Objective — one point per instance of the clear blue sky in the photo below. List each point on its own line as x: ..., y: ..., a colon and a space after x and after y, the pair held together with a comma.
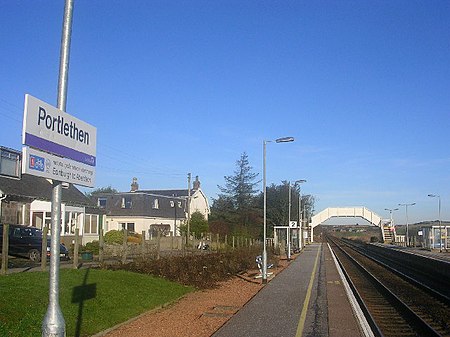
x: 187, y: 86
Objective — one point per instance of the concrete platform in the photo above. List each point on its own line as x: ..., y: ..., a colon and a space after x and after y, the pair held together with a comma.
x: 307, y: 299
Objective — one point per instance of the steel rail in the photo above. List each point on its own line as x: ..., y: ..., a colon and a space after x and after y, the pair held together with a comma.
x: 433, y: 292
x: 415, y: 322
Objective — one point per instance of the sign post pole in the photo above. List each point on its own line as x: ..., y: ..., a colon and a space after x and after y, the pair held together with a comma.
x: 53, y: 324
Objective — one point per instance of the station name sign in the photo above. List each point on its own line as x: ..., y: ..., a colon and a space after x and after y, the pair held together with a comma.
x: 55, y: 131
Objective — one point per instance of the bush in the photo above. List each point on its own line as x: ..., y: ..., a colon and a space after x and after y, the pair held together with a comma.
x: 114, y: 236
x: 134, y: 238
x: 91, y: 247
x: 202, y: 270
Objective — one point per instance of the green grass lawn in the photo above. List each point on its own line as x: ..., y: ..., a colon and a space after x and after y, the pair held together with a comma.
x: 91, y: 300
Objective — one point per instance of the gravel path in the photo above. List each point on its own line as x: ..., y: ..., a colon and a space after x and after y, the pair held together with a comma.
x: 197, y: 314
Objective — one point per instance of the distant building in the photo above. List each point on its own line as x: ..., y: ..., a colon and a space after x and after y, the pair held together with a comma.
x: 435, y: 236
x: 151, y: 211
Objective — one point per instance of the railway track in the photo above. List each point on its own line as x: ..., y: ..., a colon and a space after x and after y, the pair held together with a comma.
x: 393, y: 305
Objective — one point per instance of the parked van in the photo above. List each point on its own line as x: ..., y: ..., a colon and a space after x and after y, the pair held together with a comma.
x: 27, y: 242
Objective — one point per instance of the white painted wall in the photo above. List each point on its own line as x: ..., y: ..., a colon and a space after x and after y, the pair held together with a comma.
x: 141, y: 224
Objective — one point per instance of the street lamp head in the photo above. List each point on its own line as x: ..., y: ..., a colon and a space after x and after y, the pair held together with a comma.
x: 284, y: 140
x: 411, y: 204
x: 300, y: 181
x: 433, y: 195
x: 391, y: 210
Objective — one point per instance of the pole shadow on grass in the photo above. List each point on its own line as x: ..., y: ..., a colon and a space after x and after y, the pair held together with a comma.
x: 79, y: 295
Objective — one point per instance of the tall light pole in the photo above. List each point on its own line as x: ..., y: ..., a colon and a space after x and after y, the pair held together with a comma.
x: 440, y: 223
x: 300, y: 212
x: 391, y: 216
x: 279, y: 140
x: 288, y: 229
x: 406, y: 211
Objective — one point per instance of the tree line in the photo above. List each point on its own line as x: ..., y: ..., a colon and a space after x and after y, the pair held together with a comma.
x: 238, y: 209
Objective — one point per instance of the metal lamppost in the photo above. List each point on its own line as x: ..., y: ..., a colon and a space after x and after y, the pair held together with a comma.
x: 288, y: 229
x: 390, y: 213
x: 440, y: 223
x: 406, y: 211
x: 299, y: 226
x: 279, y: 140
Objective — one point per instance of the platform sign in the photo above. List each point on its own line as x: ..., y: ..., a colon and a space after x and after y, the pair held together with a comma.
x: 42, y: 164
x: 54, y: 131
x: 292, y: 224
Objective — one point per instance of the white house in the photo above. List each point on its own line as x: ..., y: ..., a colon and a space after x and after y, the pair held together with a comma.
x: 151, y: 211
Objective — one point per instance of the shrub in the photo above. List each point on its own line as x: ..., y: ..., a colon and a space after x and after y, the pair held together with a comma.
x: 134, y: 238
x: 91, y: 247
x: 114, y: 236
x: 199, y: 270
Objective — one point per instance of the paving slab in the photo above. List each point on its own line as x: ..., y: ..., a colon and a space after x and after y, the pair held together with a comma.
x: 276, y: 310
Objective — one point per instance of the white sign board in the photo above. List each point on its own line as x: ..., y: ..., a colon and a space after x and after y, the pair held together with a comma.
x: 48, y: 166
x: 52, y: 130
x: 293, y: 224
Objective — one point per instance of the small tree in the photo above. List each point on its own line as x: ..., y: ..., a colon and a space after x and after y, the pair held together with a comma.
x: 101, y: 190
x: 236, y: 206
x: 240, y: 188
x: 198, y: 223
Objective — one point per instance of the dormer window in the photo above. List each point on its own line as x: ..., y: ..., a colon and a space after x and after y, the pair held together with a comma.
x: 101, y: 202
x: 155, y: 204
x: 126, y: 202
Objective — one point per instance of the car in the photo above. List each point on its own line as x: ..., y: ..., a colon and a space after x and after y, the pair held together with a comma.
x: 26, y: 241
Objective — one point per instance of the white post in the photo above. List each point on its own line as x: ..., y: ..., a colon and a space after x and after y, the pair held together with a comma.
x: 264, y: 268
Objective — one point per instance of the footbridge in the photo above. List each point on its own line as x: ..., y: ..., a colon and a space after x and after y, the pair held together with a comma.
x: 345, y: 212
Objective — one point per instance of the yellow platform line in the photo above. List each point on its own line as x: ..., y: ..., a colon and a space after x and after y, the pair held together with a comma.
x: 301, y: 323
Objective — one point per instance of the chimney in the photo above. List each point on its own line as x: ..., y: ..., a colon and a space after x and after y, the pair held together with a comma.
x: 134, y: 185
x: 196, y: 183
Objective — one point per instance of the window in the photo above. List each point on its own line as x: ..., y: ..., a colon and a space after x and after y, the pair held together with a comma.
x: 41, y: 219
x: 155, y: 204
x: 71, y: 221
x: 126, y: 202
x: 101, y: 202
x: 9, y: 163
x: 164, y: 230
x: 91, y: 224
x: 129, y: 226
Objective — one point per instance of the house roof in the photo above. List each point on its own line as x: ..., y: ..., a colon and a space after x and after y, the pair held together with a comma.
x: 29, y: 188
x: 143, y: 204
x: 167, y: 193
